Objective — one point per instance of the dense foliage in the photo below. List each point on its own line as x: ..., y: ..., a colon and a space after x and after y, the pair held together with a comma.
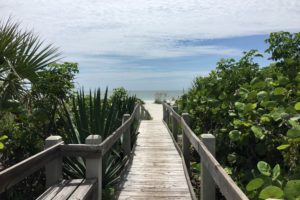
x: 254, y: 113
x: 91, y: 114
x: 37, y: 99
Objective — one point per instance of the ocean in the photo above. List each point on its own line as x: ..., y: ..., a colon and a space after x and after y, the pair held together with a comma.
x: 150, y: 96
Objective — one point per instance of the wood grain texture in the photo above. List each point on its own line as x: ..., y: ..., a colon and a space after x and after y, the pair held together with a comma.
x: 19, y: 171
x: 85, y: 191
x: 225, y: 183
x: 52, y: 191
x: 156, y: 171
x: 76, y: 189
x: 68, y: 189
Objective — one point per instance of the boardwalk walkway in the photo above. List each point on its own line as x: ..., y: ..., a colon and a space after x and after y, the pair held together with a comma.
x: 156, y: 171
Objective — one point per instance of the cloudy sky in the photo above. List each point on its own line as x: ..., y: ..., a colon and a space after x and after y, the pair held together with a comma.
x: 152, y: 44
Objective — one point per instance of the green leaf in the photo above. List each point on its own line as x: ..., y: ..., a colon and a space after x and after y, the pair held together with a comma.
x: 295, y: 117
x: 259, y: 85
x: 297, y: 106
x: 269, y: 104
x: 223, y: 130
x: 234, y: 135
x: 196, y: 167
x: 296, y: 140
x: 232, y: 114
x: 3, y: 137
x: 264, y: 168
x: 231, y: 157
x: 238, y: 122
x: 264, y: 118
x: 276, y: 172
x: 282, y: 147
x: 250, y: 106
x: 277, y: 113
x: 294, y: 124
x: 254, y: 184
x: 298, y: 77
x: 258, y: 132
x: 228, y: 170
x: 261, y: 95
x: 292, y: 190
x: 239, y: 105
x: 271, y: 192
x: 279, y: 91
x: 1, y: 146
x: 293, y: 133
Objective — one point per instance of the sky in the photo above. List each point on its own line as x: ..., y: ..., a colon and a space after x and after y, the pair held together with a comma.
x: 152, y: 44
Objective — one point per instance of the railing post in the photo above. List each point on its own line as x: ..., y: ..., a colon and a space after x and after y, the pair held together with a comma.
x: 137, y: 114
x: 164, y: 112
x: 167, y: 117
x: 208, y: 187
x: 143, y: 113
x: 53, y: 168
x: 140, y: 112
x: 174, y: 124
x: 126, y: 136
x: 94, y: 165
x: 186, y: 144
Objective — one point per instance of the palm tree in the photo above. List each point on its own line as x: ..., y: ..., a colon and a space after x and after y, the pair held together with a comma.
x: 22, y: 56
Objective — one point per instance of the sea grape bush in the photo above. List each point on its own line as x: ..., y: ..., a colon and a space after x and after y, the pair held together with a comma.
x: 254, y: 113
x: 270, y: 184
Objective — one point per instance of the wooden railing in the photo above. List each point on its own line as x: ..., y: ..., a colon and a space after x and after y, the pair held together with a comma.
x: 93, y: 151
x: 212, y: 173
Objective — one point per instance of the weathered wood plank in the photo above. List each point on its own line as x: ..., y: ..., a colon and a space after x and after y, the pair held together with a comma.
x: 68, y: 189
x: 110, y: 140
x: 84, y: 150
x: 17, y: 172
x: 151, y: 198
x: 142, y: 193
x: 154, y: 182
x: 155, y: 164
x: 156, y: 171
x: 227, y: 186
x: 85, y: 190
x: 52, y: 191
x: 93, y: 166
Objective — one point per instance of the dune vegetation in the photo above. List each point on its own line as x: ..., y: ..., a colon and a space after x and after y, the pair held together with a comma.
x: 254, y: 113
x: 38, y: 99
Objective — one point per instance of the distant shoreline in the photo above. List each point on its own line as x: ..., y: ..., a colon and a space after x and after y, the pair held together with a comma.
x: 150, y: 95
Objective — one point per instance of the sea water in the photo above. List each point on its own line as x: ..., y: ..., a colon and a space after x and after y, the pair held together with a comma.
x: 151, y: 96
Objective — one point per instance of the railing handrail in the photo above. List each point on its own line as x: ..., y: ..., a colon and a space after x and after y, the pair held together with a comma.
x: 87, y: 149
x: 112, y: 138
x: 225, y: 183
x: 19, y: 171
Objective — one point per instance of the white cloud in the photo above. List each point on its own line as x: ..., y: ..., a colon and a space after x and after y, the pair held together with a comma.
x: 148, y: 29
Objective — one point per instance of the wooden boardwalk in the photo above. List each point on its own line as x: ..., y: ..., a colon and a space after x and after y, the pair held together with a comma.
x: 156, y: 171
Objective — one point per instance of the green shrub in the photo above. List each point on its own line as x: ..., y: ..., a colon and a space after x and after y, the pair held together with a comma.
x: 252, y: 111
x: 91, y: 114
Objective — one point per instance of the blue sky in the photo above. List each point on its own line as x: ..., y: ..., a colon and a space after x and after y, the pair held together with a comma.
x: 152, y: 44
